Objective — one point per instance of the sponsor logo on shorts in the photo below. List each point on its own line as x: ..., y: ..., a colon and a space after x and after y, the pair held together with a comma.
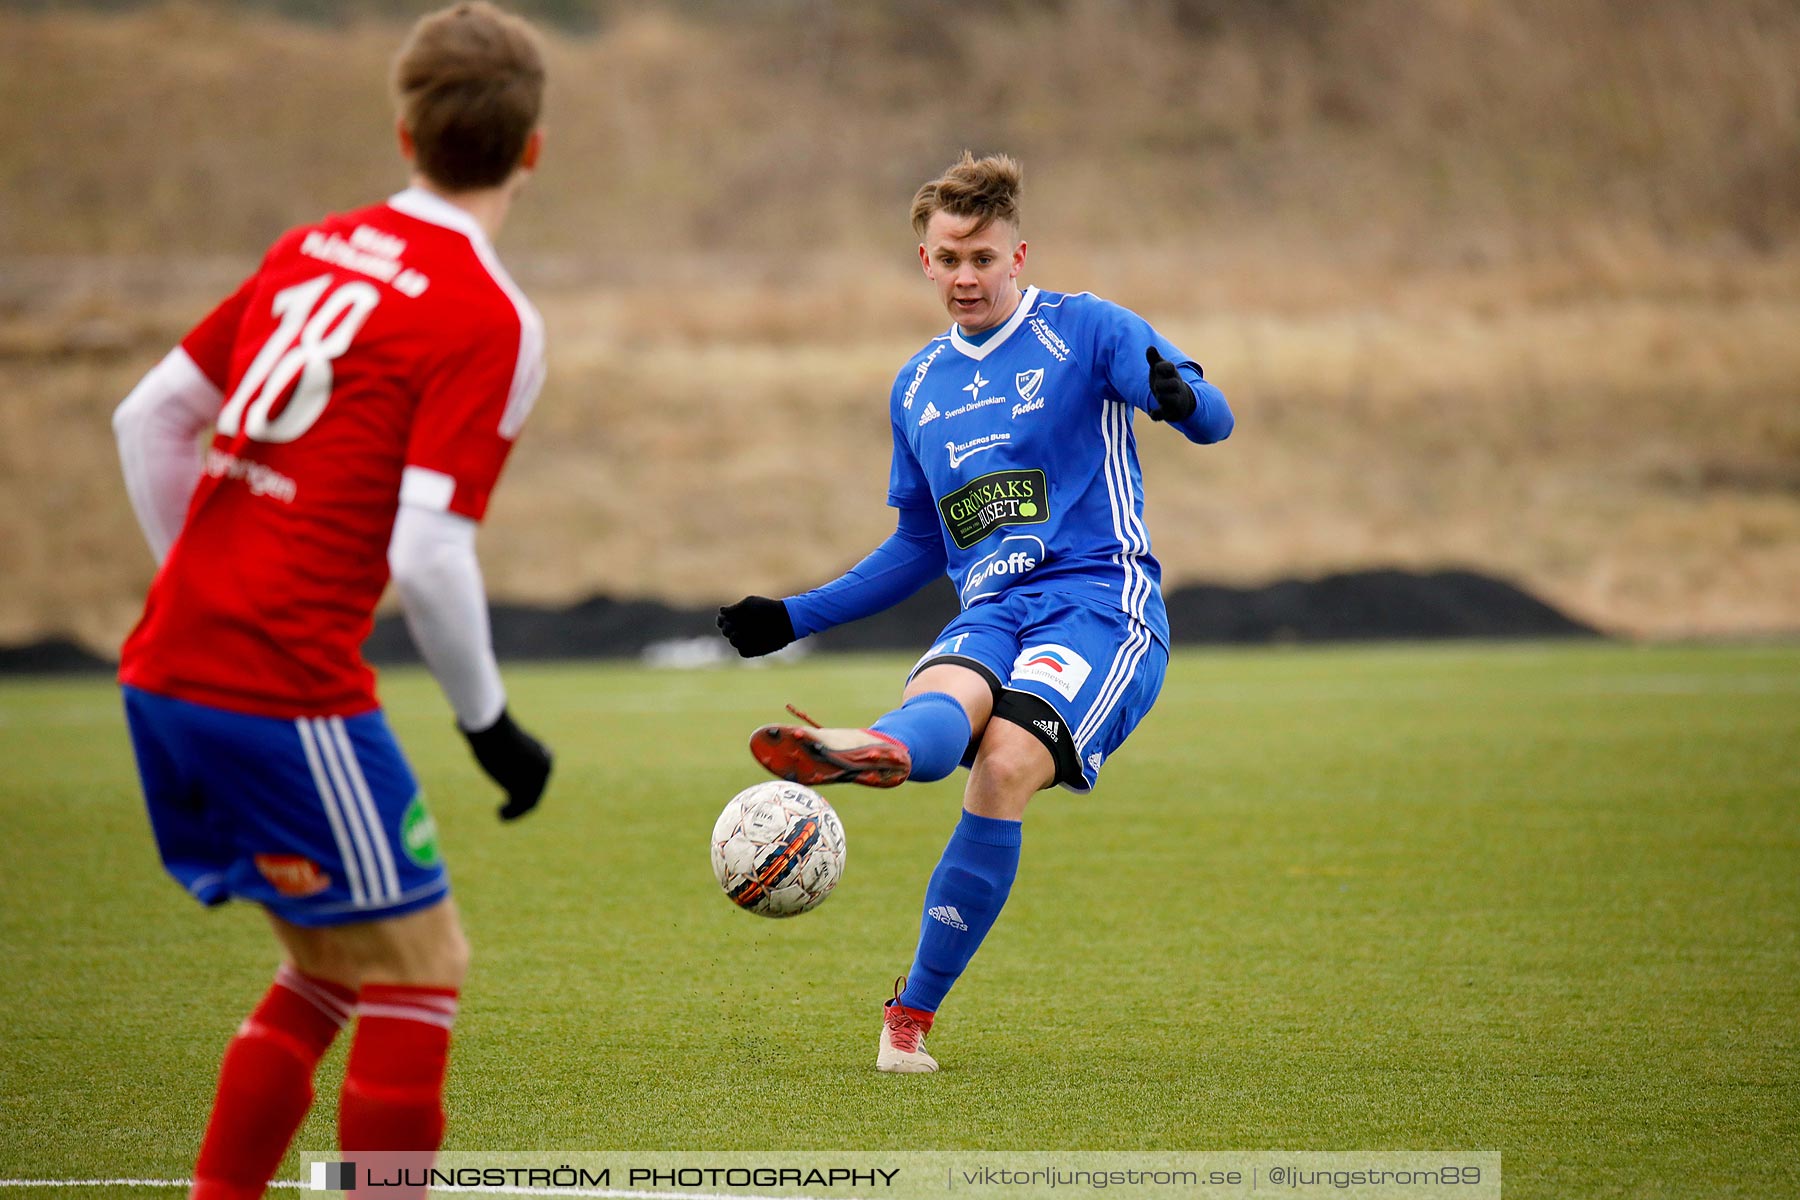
x: 418, y: 833
x: 994, y: 501
x: 293, y: 875
x: 1018, y: 555
x: 1058, y: 666
x: 1051, y: 729
x: 948, y: 915
x: 1094, y: 761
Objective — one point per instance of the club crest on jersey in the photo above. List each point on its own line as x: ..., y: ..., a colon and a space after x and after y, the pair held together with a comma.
x: 1057, y: 666
x: 1027, y: 383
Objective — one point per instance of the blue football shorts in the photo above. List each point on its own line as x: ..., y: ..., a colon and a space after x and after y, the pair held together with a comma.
x: 318, y: 819
x: 1078, y: 675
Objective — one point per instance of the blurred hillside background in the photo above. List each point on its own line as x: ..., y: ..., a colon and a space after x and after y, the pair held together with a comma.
x: 1511, y: 285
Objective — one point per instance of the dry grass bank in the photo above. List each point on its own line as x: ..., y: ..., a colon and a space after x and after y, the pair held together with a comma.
x: 1504, y: 284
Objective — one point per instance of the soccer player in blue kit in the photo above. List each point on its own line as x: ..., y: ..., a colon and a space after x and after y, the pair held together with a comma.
x: 1014, y: 471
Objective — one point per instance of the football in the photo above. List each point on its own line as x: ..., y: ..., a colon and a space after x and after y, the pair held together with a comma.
x: 777, y: 849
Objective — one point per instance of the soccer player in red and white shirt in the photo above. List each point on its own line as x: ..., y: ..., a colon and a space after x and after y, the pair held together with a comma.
x: 364, y: 387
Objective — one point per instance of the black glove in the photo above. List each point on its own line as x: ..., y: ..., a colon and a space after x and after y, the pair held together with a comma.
x: 513, y: 759
x: 756, y: 625
x: 1174, y: 398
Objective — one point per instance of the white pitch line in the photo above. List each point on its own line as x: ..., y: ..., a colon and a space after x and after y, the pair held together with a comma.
x: 71, y: 1183
x: 600, y: 1193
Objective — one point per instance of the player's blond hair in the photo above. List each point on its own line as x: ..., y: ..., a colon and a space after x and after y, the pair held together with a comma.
x: 469, y: 83
x: 986, y: 188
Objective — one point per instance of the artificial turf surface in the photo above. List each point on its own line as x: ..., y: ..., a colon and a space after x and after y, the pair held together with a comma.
x: 1543, y: 900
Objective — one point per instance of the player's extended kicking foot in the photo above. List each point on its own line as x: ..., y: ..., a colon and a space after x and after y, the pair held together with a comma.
x: 811, y: 755
x: 903, y: 1033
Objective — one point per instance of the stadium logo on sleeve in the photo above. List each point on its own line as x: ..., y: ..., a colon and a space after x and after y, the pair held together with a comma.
x: 994, y: 501
x: 912, y: 389
x: 1058, y: 666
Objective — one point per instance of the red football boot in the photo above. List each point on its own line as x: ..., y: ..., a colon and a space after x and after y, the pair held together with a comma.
x: 812, y: 756
x: 903, y: 1033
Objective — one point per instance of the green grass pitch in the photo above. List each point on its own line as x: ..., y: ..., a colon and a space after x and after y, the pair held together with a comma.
x: 1541, y: 900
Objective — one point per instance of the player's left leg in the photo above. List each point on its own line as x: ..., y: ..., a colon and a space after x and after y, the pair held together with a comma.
x: 969, y: 887
x: 265, y: 1080
x: 1083, y: 676
x: 265, y: 1086
x: 328, y: 832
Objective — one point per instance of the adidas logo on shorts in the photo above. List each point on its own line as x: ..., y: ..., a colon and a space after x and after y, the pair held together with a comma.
x: 1050, y: 728
x: 948, y: 915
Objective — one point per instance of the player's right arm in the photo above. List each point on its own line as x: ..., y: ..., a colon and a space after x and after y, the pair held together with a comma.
x: 158, y: 425
x: 911, y: 557
x: 472, y: 408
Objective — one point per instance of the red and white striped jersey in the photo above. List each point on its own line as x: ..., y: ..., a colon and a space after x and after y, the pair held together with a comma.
x: 377, y: 357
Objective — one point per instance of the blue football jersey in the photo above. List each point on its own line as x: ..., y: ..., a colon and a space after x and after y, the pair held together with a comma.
x: 1022, y: 441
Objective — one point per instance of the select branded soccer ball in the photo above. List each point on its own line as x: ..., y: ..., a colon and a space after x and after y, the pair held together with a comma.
x: 778, y: 849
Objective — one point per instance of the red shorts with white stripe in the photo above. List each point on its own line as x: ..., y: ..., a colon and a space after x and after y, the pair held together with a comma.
x: 319, y: 819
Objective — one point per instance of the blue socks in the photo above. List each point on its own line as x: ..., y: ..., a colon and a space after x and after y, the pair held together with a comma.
x: 975, y: 874
x: 964, y: 896
x: 935, y: 731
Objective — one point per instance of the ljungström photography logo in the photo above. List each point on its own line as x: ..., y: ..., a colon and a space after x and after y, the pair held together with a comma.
x: 334, y: 1176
